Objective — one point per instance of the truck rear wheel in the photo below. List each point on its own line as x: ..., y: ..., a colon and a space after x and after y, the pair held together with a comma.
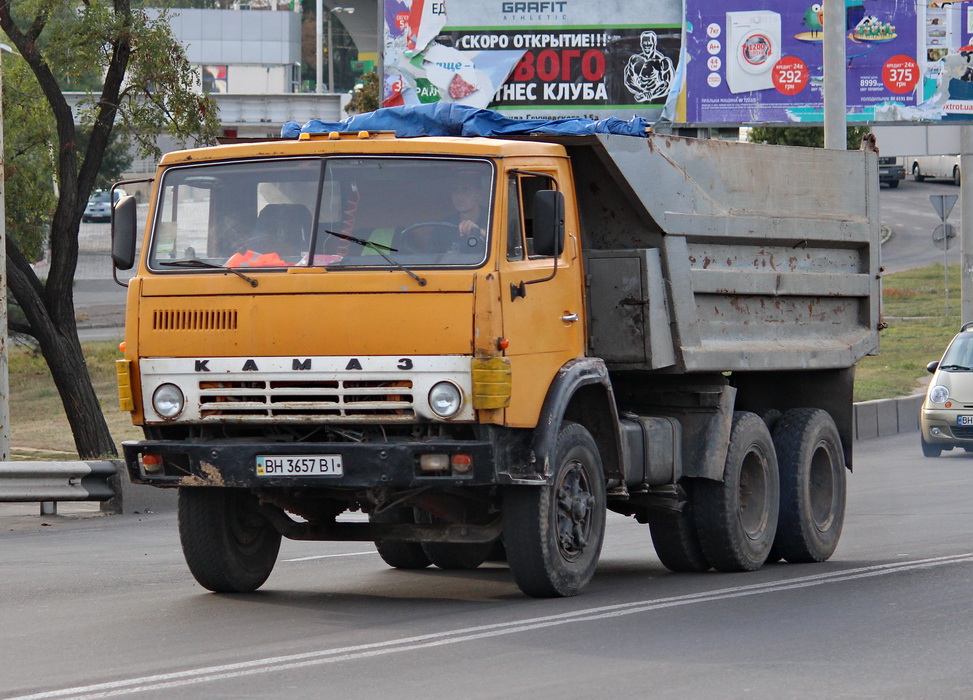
x: 400, y: 555
x: 676, y: 540
x: 737, y: 517
x: 229, y: 545
x: 812, y: 485
x: 553, y: 533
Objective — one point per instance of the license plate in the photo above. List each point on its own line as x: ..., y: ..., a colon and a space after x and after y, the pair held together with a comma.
x: 299, y: 465
x: 964, y: 420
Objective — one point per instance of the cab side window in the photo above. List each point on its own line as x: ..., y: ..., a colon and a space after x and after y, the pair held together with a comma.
x: 520, y: 213
x: 515, y: 231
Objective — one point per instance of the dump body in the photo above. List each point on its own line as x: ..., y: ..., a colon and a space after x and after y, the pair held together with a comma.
x: 769, y: 254
x: 451, y: 330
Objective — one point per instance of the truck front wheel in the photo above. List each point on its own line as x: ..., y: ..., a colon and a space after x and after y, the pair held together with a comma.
x: 812, y: 485
x: 737, y: 517
x: 553, y: 533
x: 229, y: 545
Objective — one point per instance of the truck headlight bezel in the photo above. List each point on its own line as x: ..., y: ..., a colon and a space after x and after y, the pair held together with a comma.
x: 168, y: 401
x: 445, y: 399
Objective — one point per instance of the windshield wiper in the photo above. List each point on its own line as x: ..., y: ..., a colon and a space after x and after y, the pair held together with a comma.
x: 380, y: 249
x: 956, y: 367
x: 203, y: 263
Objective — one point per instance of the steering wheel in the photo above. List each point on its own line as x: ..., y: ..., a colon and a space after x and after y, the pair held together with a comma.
x: 440, y: 240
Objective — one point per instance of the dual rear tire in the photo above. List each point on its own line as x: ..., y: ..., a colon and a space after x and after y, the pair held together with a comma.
x: 782, y: 497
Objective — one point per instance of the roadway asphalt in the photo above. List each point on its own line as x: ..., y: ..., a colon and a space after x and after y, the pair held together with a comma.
x: 107, y: 609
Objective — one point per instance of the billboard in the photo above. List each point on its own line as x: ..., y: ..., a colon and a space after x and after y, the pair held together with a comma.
x: 760, y: 61
x: 690, y: 61
x: 552, y: 58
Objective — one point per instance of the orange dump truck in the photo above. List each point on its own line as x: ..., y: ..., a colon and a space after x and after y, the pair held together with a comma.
x: 479, y: 346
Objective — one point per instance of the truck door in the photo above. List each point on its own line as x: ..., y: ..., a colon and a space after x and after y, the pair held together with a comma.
x: 543, y: 316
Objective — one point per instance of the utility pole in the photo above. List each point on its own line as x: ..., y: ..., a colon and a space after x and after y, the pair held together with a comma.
x: 966, y: 222
x: 835, y: 72
x: 4, y: 377
x: 318, y: 46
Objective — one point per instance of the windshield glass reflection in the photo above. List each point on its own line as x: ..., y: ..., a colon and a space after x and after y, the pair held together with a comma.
x: 354, y: 212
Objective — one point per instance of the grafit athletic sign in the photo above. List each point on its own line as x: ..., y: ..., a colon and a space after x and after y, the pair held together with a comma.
x: 547, y: 58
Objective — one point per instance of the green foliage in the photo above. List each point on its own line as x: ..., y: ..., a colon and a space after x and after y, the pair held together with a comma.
x: 365, y: 97
x: 82, y: 40
x: 29, y: 147
x: 138, y: 80
x: 812, y: 136
x: 914, y: 307
x: 161, y: 93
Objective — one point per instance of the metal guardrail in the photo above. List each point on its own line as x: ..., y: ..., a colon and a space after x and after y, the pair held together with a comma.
x: 57, y: 481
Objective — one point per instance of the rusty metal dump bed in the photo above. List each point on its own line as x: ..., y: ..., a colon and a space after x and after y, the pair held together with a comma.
x: 768, y: 255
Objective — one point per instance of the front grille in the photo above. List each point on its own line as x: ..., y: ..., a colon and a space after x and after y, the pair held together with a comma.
x: 301, y: 400
x: 965, y: 431
x: 194, y: 320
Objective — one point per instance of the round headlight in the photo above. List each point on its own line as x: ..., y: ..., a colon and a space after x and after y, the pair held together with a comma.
x: 445, y: 399
x: 168, y: 401
x: 939, y: 394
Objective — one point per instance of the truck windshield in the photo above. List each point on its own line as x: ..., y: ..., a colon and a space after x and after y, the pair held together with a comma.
x: 355, y: 212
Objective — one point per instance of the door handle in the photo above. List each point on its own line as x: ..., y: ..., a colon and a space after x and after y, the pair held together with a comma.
x: 569, y: 318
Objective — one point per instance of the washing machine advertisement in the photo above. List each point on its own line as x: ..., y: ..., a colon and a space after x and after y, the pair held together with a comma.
x: 762, y: 61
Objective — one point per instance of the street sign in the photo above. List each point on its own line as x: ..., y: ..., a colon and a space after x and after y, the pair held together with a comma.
x: 944, y: 235
x: 943, y: 204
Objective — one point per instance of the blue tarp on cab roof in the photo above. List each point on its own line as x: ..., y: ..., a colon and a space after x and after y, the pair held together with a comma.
x: 450, y: 119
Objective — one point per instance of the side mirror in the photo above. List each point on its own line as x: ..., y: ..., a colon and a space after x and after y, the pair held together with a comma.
x: 549, y: 223
x: 123, y: 233
x: 932, y: 367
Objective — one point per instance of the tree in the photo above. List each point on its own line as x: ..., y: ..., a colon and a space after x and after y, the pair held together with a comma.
x: 364, y: 98
x: 145, y: 86
x: 812, y: 136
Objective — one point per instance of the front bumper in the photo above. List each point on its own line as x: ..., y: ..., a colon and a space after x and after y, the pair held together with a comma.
x: 365, y: 465
x: 939, y: 427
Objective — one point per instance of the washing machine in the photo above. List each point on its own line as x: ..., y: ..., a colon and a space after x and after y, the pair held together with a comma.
x: 753, y: 41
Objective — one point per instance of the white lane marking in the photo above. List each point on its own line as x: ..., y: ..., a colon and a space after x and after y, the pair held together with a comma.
x: 208, y: 674
x: 328, y: 556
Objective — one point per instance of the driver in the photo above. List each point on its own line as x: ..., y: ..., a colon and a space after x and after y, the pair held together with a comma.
x: 461, y: 230
x: 466, y: 193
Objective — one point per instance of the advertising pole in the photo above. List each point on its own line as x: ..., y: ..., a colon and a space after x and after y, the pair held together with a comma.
x: 4, y: 382
x: 318, y: 47
x: 835, y: 107
x: 966, y: 223
x: 380, y: 63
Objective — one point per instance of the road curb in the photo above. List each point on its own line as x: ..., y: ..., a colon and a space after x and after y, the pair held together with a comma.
x: 884, y: 417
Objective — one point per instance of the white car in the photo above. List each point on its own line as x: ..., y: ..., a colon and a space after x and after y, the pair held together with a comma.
x: 99, y: 205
